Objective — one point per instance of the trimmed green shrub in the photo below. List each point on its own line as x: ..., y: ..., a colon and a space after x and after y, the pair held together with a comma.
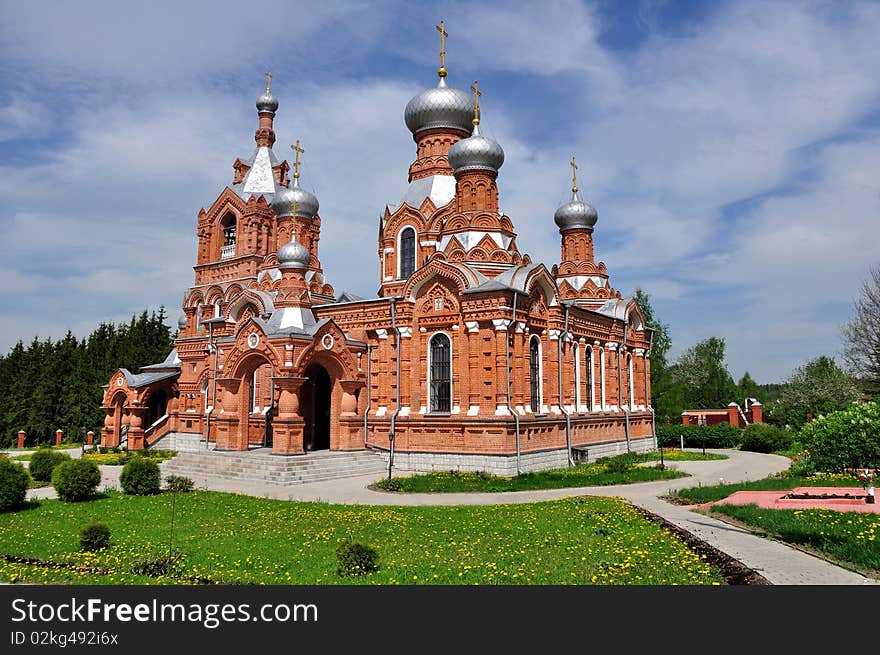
x: 76, y: 480
x: 722, y: 435
x: 393, y: 484
x: 849, y: 438
x: 618, y: 463
x: 14, y: 482
x: 763, y: 438
x: 44, y: 461
x: 353, y: 558
x: 178, y: 484
x: 140, y: 477
x: 94, y: 536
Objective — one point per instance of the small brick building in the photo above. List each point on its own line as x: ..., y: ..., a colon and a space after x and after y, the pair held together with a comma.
x: 734, y: 414
x: 471, y: 356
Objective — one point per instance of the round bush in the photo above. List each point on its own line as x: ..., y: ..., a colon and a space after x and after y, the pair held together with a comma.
x: 14, y: 481
x: 353, y: 558
x: 94, y: 536
x: 44, y: 461
x: 763, y: 438
x: 76, y: 480
x: 140, y: 477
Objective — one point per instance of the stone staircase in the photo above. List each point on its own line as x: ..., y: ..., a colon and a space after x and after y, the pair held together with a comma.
x: 261, y: 466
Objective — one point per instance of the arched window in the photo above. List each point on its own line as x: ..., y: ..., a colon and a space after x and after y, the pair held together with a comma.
x: 205, y: 393
x: 576, y: 352
x: 440, y: 364
x: 407, y: 252
x: 591, y: 389
x: 199, y: 317
x: 629, y: 375
x: 217, y: 308
x: 535, y: 374
x: 228, y: 225
x: 602, y: 406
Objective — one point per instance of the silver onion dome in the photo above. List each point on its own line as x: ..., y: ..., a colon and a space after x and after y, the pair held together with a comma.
x: 267, y: 102
x: 283, y: 199
x: 476, y: 153
x: 293, y: 255
x: 575, y: 214
x: 441, y: 106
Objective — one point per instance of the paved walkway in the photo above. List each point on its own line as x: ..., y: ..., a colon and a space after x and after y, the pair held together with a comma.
x: 778, y: 563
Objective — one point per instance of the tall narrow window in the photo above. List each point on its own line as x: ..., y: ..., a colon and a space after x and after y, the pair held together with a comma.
x: 407, y: 252
x: 441, y: 374
x: 205, y: 393
x: 255, y: 397
x: 602, y: 378
x: 591, y: 389
x: 576, y: 352
x: 199, y: 318
x: 535, y: 374
x: 629, y: 376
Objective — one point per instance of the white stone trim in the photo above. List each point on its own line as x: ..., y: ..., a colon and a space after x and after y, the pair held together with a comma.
x: 472, y: 326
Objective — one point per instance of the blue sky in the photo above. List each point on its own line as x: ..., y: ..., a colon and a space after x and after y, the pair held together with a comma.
x: 732, y: 149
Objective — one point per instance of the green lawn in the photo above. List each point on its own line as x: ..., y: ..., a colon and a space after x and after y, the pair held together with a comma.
x: 850, y: 537
x: 678, y: 455
x: 621, y: 469
x: 695, y: 495
x: 239, y: 539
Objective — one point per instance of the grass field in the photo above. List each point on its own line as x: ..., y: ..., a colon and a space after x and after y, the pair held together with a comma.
x: 239, y: 539
x: 849, y: 537
x: 621, y: 469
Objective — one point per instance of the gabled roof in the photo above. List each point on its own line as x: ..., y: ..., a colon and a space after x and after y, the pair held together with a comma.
x: 172, y: 362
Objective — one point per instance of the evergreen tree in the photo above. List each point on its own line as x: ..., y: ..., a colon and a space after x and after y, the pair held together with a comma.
x: 50, y: 385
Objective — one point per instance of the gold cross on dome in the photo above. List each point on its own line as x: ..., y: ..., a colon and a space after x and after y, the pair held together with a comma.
x: 298, y: 151
x: 477, y: 93
x: 268, y: 82
x: 574, y: 175
x: 443, y: 34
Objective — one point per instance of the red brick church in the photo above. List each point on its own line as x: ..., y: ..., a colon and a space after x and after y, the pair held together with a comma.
x: 471, y: 356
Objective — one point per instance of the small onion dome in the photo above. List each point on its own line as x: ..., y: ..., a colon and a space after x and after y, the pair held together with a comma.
x: 476, y: 153
x: 575, y: 214
x: 441, y: 106
x: 293, y: 255
x: 181, y: 323
x: 283, y: 199
x: 267, y: 103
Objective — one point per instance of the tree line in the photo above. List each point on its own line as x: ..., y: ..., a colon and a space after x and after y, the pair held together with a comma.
x: 699, y: 378
x: 49, y: 385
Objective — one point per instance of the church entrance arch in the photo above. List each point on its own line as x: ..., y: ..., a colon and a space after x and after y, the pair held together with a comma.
x: 315, y: 406
x: 256, y: 402
x: 118, y: 411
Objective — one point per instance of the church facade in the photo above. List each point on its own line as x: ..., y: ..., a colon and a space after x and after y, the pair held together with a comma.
x: 470, y: 357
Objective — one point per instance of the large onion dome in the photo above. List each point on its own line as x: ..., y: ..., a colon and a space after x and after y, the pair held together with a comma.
x: 442, y: 107
x: 283, y: 201
x: 476, y: 153
x: 575, y: 214
x: 267, y: 103
x: 293, y: 255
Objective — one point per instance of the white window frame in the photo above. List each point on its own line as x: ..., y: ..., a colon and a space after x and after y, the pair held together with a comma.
x: 400, y: 250
x: 604, y: 407
x: 451, y: 369
x: 576, y: 351
x: 535, y: 337
x: 591, y: 363
x: 629, y: 370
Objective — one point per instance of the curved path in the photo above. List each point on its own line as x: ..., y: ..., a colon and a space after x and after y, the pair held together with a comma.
x: 778, y: 563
